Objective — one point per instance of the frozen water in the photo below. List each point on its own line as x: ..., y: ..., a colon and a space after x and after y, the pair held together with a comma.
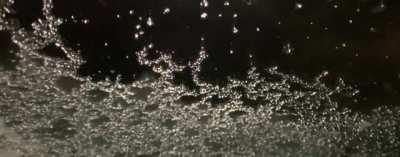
x: 47, y: 109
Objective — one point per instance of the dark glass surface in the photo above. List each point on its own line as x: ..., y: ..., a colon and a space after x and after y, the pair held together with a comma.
x: 8, y: 59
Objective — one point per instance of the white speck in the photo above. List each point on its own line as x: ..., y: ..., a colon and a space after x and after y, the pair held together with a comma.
x: 131, y: 12
x: 138, y: 26
x: 204, y: 3
x: 235, y: 15
x: 325, y: 73
x: 288, y: 49
x: 204, y: 15
x: 219, y: 15
x: 150, y: 22
x: 85, y: 21
x: 226, y: 3
x: 335, y: 6
x: 258, y: 29
x: 231, y: 51
x: 372, y: 29
x: 151, y: 45
x: 299, y: 6
x: 166, y: 11
x: 380, y: 8
x: 382, y: 5
x: 105, y: 44
x: 235, y: 30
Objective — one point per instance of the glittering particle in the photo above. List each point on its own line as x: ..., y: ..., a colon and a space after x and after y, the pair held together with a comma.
x: 298, y: 6
x: 150, y: 21
x: 235, y: 30
x: 85, y: 21
x: 166, y: 11
x: 380, y: 8
x: 150, y: 46
x: 288, y: 48
x: 226, y: 3
x: 335, y: 6
x: 203, y: 15
x: 138, y: 27
x: 113, y: 118
x: 204, y: 3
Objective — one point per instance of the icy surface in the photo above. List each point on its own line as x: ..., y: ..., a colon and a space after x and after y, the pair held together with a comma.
x: 46, y: 110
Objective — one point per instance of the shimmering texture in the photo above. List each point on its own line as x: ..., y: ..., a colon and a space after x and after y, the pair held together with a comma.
x: 47, y: 109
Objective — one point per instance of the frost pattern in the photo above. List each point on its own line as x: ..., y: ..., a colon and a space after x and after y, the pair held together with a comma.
x: 53, y: 112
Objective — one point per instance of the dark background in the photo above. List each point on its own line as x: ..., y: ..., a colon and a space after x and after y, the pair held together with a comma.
x: 363, y: 52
